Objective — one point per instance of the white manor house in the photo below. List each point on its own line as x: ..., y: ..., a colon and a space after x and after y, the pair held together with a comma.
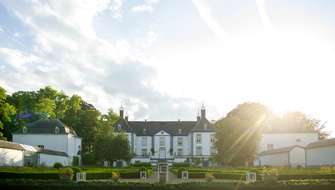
x: 183, y: 141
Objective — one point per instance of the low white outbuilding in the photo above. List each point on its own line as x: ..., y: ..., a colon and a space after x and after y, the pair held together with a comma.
x: 14, y: 154
x: 291, y: 156
x: 11, y: 154
x: 321, y: 153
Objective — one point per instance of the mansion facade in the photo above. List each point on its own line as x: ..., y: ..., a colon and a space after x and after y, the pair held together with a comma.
x: 172, y: 141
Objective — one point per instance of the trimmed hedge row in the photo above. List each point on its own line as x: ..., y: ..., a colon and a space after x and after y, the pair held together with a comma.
x: 55, y: 176
x: 314, y: 176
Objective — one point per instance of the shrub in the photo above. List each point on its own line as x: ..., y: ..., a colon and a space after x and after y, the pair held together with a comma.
x: 57, y: 165
x: 209, y: 177
x: 142, y: 164
x: 66, y: 174
x: 196, y: 175
x: 184, y: 165
x: 231, y: 176
x: 76, y: 170
x: 115, y: 177
x: 179, y: 171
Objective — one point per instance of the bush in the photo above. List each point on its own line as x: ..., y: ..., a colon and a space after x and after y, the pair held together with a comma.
x: 178, y: 165
x: 196, y: 175
x: 209, y: 177
x: 76, y: 170
x: 231, y: 176
x: 115, y: 177
x: 57, y: 165
x: 179, y: 171
x: 141, y: 164
x: 44, y: 176
x: 66, y: 174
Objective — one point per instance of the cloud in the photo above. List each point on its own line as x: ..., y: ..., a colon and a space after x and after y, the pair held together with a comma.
x: 68, y: 55
x: 207, y: 16
x: 148, y: 6
x: 116, y: 8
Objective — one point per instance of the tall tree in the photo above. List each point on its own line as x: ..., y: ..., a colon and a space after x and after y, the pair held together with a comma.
x: 299, y: 122
x: 47, y: 106
x: 239, y: 133
x: 7, y: 114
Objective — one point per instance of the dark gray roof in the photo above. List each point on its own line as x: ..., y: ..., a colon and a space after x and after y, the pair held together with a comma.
x: 150, y: 128
x: 200, y: 126
x: 10, y: 145
x: 279, y: 150
x: 321, y: 143
x: 46, y: 126
x: 51, y: 152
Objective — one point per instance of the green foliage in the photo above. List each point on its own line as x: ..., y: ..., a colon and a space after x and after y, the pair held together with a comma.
x: 238, y: 134
x: 66, y: 173
x: 57, y: 165
x: 115, y: 177
x: 209, y: 177
x: 177, y: 165
x: 112, y: 148
x: 7, y: 112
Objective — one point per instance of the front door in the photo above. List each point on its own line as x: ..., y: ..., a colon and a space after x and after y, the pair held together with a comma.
x: 162, y: 153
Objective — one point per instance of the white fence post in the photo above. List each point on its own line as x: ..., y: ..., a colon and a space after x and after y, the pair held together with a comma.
x: 251, y: 177
x: 80, y: 176
x: 184, y: 175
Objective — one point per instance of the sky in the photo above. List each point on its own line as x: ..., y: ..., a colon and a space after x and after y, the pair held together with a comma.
x: 162, y: 59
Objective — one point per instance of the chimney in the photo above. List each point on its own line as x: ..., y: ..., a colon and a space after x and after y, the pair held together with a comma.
x: 203, y: 111
x: 121, y: 112
x: 198, y: 116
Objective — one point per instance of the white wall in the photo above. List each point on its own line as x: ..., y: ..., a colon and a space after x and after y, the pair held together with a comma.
x: 297, y: 157
x: 167, y: 143
x: 50, y: 160
x: 274, y: 159
x: 205, y: 143
x: 320, y: 156
x: 280, y: 140
x: 52, y: 142
x: 186, y: 145
x: 11, y: 157
x: 138, y: 145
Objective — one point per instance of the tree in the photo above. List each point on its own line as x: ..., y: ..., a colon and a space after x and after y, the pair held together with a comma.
x: 7, y: 113
x: 239, y: 133
x: 112, y: 147
x: 46, y: 105
x: 299, y: 122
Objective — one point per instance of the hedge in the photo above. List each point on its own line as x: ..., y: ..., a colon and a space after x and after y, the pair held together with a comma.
x: 56, y: 185
x: 307, y: 176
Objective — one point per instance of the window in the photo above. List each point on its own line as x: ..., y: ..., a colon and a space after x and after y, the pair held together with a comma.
x: 198, y: 139
x: 144, y: 152
x: 213, y: 150
x: 144, y: 141
x: 269, y: 146
x: 40, y: 146
x: 179, y: 131
x: 144, y: 131
x: 180, y: 141
x: 179, y: 152
x: 198, y: 151
x: 24, y: 130
x: 161, y: 141
x: 212, y: 138
x: 57, y: 130
x: 205, y: 126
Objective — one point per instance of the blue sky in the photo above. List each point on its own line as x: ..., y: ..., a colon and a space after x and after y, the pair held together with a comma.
x: 162, y: 58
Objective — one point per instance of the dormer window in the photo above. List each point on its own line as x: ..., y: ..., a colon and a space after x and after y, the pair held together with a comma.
x: 179, y: 131
x: 24, y: 130
x: 57, y: 130
x: 144, y: 131
x: 205, y: 126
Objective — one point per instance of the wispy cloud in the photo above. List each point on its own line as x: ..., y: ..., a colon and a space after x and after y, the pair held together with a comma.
x: 147, y: 6
x: 264, y: 16
x: 207, y: 16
